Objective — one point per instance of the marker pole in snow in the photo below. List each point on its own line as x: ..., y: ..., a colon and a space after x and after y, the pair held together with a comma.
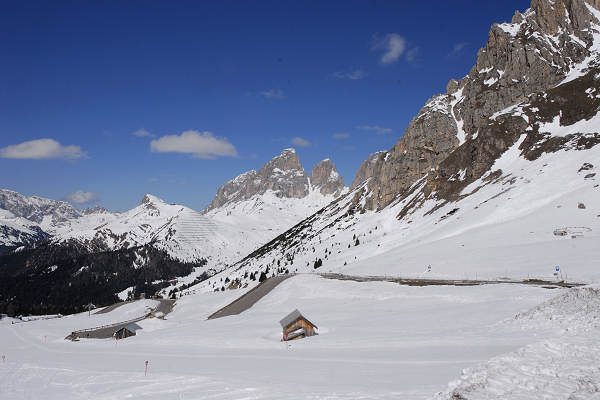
x: 146, y: 370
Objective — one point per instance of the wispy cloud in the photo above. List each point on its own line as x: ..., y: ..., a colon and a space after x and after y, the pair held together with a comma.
x: 41, y: 149
x: 276, y: 94
x: 340, y: 136
x: 200, y: 144
x: 392, y: 45
x: 375, y: 128
x: 82, y: 197
x: 351, y: 75
x: 300, y: 142
x: 411, y: 54
x: 143, y: 133
x: 457, y: 48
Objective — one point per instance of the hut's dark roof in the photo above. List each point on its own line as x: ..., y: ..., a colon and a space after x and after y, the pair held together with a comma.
x: 130, y: 327
x: 293, y: 317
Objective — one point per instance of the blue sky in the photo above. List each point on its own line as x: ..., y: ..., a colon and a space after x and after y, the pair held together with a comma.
x: 219, y: 89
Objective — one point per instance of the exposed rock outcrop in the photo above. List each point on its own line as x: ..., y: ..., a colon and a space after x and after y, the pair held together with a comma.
x: 534, y: 52
x: 284, y: 176
x: 36, y: 208
x: 367, y: 168
x: 325, y: 178
x: 95, y: 210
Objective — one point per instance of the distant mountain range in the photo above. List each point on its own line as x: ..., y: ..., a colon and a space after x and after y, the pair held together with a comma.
x: 482, y: 178
x: 247, y: 212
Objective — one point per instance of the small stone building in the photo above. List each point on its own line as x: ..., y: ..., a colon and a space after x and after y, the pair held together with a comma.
x: 127, y: 331
x: 296, y: 326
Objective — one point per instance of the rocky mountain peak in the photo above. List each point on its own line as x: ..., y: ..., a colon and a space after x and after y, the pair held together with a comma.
x: 284, y: 176
x: 95, y: 210
x: 534, y: 52
x: 287, y: 161
x: 36, y: 208
x: 326, y: 179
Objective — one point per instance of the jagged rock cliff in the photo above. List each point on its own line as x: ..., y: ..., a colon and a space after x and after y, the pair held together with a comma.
x: 534, y: 52
x: 325, y: 178
x: 36, y: 208
x: 284, y: 176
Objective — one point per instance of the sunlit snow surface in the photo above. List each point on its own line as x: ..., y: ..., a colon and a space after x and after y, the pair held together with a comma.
x: 376, y: 341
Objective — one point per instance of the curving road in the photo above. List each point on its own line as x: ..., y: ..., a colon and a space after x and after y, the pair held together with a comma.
x: 246, y: 301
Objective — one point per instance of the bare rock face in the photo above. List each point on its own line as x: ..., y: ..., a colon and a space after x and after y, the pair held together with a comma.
x: 534, y: 52
x: 326, y: 179
x: 283, y: 175
x: 35, y: 208
x: 367, y: 169
x: 95, y: 210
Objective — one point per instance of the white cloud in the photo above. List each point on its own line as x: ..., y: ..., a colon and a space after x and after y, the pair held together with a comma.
x: 375, y: 128
x: 273, y: 94
x: 392, y: 44
x: 339, y: 136
x: 200, y: 144
x: 457, y: 48
x: 81, y: 197
x: 40, y: 149
x: 299, y: 142
x: 143, y: 133
x: 352, y: 75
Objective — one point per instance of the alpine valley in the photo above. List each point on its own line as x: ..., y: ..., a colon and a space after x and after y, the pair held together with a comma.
x: 468, y: 253
x: 58, y: 259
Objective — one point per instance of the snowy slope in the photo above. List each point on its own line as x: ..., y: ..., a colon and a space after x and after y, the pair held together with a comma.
x: 269, y: 215
x: 376, y: 340
x: 504, y: 229
x: 515, y: 200
x: 184, y: 233
x: 17, y: 231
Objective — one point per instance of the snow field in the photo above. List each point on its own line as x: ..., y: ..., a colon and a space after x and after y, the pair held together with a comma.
x: 377, y: 340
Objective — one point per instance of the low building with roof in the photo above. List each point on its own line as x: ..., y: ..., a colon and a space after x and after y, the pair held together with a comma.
x: 127, y: 331
x: 297, y: 326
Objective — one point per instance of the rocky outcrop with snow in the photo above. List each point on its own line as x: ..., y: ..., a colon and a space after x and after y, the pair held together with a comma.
x: 18, y: 231
x: 535, y: 52
x: 46, y: 212
x: 282, y: 175
x: 497, y: 177
x: 325, y: 178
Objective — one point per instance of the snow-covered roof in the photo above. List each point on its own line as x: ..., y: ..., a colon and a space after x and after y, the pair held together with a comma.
x: 292, y: 317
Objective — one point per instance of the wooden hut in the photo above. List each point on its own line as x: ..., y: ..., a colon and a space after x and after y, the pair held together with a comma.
x: 127, y: 331
x: 296, y: 326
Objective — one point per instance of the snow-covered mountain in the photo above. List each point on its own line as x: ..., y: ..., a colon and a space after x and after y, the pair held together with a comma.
x: 497, y: 177
x: 168, y: 242
x: 183, y: 233
x: 18, y: 231
x: 45, y: 212
x: 27, y: 220
x: 276, y: 197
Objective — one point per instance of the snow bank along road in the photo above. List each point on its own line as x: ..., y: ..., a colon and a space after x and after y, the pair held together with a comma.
x: 377, y: 340
x: 448, y: 282
x: 247, y: 300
